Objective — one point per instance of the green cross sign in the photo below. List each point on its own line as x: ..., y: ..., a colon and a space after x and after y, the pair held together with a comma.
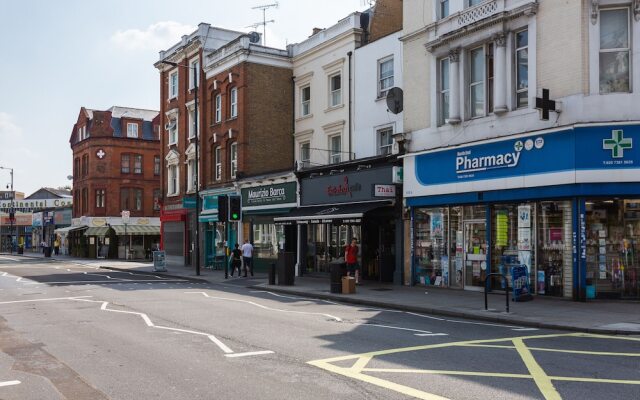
x: 617, y: 144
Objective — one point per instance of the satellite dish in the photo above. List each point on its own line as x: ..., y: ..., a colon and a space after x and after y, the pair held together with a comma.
x: 254, y: 37
x: 394, y: 100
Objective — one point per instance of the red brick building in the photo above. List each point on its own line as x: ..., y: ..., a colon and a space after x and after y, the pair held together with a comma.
x: 177, y: 114
x: 116, y: 167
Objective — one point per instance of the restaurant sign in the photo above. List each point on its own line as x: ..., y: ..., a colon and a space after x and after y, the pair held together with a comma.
x: 282, y: 193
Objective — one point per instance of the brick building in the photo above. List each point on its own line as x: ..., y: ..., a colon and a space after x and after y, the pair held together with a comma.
x: 116, y: 167
x: 248, y: 144
x: 177, y: 114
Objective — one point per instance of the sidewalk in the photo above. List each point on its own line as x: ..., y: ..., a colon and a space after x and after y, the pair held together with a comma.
x: 605, y: 317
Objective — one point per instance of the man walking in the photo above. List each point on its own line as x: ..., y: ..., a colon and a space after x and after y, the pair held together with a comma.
x: 247, y: 257
x: 236, y: 260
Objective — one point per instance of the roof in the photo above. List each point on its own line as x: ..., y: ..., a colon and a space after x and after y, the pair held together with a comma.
x: 49, y: 193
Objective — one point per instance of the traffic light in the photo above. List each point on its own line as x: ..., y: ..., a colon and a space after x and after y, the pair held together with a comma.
x: 223, y: 208
x: 235, y: 208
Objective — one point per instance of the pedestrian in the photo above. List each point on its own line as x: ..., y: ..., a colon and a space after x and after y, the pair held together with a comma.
x: 236, y: 260
x: 56, y: 246
x: 351, y: 258
x: 43, y: 244
x: 247, y: 257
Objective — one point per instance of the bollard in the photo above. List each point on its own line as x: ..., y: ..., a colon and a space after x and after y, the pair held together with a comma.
x: 272, y: 274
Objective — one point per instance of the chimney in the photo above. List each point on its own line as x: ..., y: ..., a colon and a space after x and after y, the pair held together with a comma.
x: 316, y: 30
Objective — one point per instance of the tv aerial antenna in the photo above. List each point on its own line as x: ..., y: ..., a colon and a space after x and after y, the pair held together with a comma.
x: 264, y: 22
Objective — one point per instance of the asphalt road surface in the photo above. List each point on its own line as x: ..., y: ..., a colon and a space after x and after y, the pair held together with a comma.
x: 70, y: 331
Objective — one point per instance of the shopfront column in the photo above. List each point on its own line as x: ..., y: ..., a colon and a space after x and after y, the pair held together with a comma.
x: 500, y: 81
x: 454, y: 85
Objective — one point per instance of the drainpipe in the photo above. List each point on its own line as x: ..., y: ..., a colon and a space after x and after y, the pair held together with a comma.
x: 293, y: 118
x: 350, y: 153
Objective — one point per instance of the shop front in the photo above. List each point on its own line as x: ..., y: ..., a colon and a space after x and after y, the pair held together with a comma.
x: 261, y: 204
x: 563, y: 203
x: 173, y: 227
x: 356, y: 202
x: 216, y: 235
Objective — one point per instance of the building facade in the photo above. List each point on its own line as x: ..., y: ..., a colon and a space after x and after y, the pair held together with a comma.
x: 116, y: 169
x: 247, y: 145
x: 180, y: 130
x: 499, y: 175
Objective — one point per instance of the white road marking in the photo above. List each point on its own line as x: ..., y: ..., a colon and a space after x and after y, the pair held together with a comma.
x: 249, y: 353
x: 431, y: 334
x: 149, y: 323
x: 50, y: 299
x: 420, y: 332
x: 10, y: 383
x: 293, y: 297
x: 267, y: 308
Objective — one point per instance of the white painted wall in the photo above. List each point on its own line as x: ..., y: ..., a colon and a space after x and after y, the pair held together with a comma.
x: 370, y: 112
x: 314, y: 61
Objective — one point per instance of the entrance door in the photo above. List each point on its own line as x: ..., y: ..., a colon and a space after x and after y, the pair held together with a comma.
x: 475, y: 254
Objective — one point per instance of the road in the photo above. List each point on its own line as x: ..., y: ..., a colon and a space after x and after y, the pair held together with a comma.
x: 70, y: 331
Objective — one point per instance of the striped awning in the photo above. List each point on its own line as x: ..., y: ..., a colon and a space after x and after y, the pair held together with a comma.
x: 97, y: 231
x: 136, y: 230
x: 64, y: 231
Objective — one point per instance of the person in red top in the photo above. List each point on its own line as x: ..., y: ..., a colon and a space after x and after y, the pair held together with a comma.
x: 351, y: 258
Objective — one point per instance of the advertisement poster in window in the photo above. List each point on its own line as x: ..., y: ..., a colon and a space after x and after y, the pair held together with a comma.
x: 436, y: 225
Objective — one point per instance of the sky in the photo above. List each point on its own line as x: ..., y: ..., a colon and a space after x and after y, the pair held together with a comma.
x: 58, y: 56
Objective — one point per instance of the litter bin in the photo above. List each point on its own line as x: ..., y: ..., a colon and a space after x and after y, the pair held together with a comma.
x: 20, y: 250
x: 272, y: 274
x: 286, y: 268
x: 47, y: 251
x: 337, y: 270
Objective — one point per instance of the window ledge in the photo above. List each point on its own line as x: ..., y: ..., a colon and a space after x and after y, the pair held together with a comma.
x: 232, y: 118
x: 339, y: 106
x: 304, y: 117
x: 173, y: 194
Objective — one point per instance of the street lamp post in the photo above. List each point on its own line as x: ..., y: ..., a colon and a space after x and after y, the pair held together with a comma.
x: 12, y: 211
x: 196, y: 77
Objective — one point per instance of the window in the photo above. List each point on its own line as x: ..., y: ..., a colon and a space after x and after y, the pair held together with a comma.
x: 444, y: 8
x: 233, y: 156
x: 472, y: 3
x: 614, y: 50
x: 137, y: 164
x: 85, y: 200
x: 305, y: 155
x: 385, y: 76
x: 100, y: 193
x: 192, y: 127
x: 85, y: 165
x: 76, y: 168
x: 82, y: 133
x: 443, y: 95
x: 172, y: 180
x: 194, y: 79
x: 305, y: 98
x: 522, y: 69
x: 132, y: 130
x: 234, y: 103
x: 481, y: 81
x: 191, y: 175
x: 335, y: 90
x: 335, y: 155
x: 173, y: 85
x: 76, y: 201
x: 218, y: 111
x: 172, y: 129
x: 385, y: 141
x: 131, y: 199
x: 217, y: 163
x: 156, y: 199
x: 124, y: 164
x: 156, y: 165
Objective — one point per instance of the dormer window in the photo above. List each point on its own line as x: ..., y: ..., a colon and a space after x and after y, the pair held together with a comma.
x: 132, y: 130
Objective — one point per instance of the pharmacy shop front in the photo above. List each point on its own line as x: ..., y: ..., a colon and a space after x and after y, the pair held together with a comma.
x: 564, y: 203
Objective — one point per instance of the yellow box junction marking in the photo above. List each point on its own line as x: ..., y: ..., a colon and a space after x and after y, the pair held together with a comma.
x: 543, y: 381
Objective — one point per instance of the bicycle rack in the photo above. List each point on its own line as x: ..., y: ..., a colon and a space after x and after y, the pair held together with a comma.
x: 506, y: 289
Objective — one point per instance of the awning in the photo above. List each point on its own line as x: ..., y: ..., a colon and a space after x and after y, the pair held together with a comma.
x: 268, y: 211
x: 137, y: 230
x: 341, y: 213
x: 97, y: 231
x: 208, y: 217
x: 64, y: 231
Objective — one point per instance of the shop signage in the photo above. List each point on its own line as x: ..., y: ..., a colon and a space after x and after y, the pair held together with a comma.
x: 188, y: 202
x: 576, y: 155
x: 384, y: 190
x: 37, y: 219
x: 344, y: 187
x: 281, y: 193
x: 28, y: 205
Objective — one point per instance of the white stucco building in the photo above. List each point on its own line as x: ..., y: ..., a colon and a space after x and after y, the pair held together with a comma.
x: 492, y: 181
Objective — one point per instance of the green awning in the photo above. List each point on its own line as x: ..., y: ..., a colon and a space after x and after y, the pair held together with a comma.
x: 136, y: 230
x: 97, y: 231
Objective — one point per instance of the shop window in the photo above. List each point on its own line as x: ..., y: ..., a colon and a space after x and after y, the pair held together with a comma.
x: 554, y: 256
x: 431, y: 261
x: 267, y: 239
x: 613, y: 248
